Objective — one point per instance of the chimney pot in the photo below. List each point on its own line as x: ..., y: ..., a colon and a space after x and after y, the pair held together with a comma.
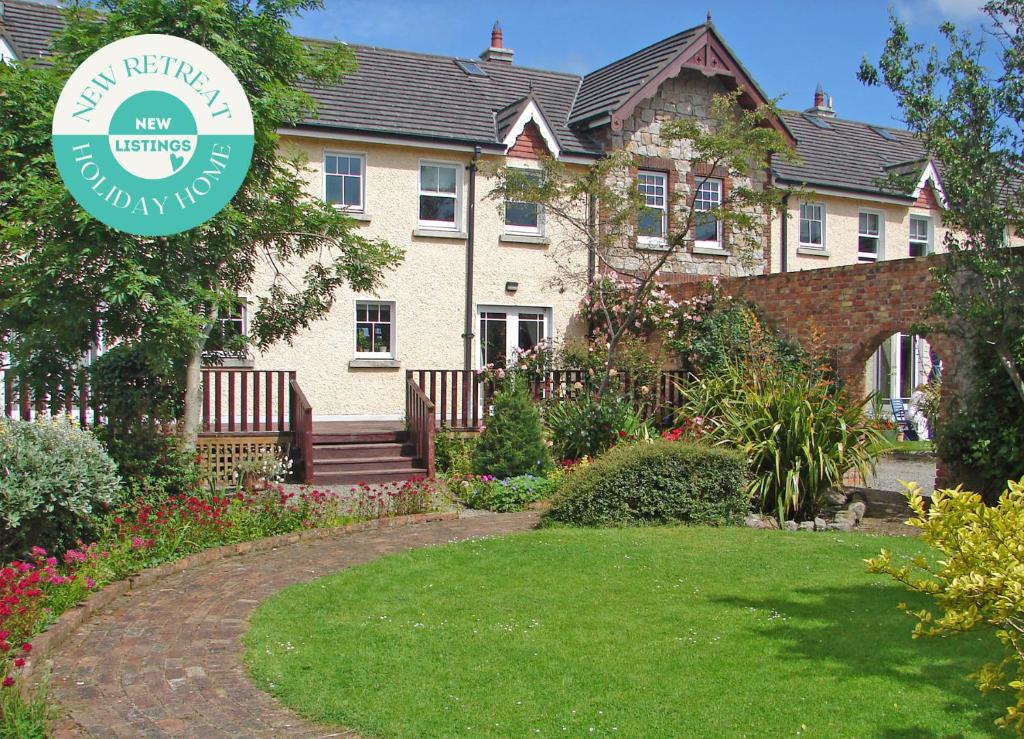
x: 497, y: 51
x: 496, y: 39
x: 822, y: 104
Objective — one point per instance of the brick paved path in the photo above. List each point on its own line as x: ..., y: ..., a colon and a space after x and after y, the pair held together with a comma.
x: 167, y: 661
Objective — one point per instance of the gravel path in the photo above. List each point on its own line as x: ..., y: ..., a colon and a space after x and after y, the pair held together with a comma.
x: 892, y: 469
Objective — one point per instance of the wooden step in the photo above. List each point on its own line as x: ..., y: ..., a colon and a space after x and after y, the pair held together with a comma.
x: 331, y: 452
x: 397, y: 463
x: 360, y: 437
x: 371, y: 477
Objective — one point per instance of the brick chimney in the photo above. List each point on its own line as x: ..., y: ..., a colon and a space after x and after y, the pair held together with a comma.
x: 497, y: 51
x: 822, y: 104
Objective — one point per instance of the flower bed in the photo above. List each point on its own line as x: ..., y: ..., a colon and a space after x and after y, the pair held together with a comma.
x: 36, y: 590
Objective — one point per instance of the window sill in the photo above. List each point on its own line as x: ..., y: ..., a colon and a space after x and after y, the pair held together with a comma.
x: 813, y: 251
x: 438, y: 233
x: 524, y: 239
x: 356, y: 215
x: 715, y: 251
x: 374, y: 364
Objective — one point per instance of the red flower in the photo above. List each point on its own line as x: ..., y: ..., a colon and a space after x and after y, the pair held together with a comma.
x: 622, y: 434
x: 26, y: 648
x: 19, y: 662
x: 8, y: 682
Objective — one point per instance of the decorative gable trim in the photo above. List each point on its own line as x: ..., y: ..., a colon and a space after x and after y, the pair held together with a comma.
x: 709, y: 55
x: 7, y: 52
x: 930, y: 175
x: 532, y: 112
x: 530, y: 144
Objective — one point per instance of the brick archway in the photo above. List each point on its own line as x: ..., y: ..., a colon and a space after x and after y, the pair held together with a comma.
x: 856, y: 307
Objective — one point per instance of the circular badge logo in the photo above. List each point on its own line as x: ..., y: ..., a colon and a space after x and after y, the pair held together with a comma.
x: 153, y: 135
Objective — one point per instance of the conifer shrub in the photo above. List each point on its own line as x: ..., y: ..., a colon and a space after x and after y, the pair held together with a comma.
x: 512, y: 444
x: 656, y: 483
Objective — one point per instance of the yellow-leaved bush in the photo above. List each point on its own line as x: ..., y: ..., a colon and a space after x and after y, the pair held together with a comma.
x: 977, y: 580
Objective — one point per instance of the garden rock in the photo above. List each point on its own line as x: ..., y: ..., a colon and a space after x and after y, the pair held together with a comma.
x: 858, y: 509
x: 791, y: 526
x: 759, y: 521
x: 841, y: 524
x: 820, y: 524
x: 807, y: 525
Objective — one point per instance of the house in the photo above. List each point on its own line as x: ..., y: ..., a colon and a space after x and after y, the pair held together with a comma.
x: 398, y: 145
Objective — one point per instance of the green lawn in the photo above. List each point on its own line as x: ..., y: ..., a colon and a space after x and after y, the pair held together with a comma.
x: 660, y: 632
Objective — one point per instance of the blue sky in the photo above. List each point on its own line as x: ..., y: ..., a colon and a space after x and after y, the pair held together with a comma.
x: 788, y: 46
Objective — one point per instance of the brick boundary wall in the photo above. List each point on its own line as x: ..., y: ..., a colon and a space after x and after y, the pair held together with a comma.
x: 48, y: 642
x: 856, y: 307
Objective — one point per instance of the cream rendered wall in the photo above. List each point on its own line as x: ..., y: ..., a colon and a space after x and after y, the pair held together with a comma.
x: 428, y: 288
x: 841, y: 226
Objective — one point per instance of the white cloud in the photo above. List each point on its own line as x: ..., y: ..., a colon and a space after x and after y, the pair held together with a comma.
x: 927, y: 11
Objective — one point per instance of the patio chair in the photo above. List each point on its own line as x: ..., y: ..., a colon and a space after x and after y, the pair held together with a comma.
x: 899, y: 414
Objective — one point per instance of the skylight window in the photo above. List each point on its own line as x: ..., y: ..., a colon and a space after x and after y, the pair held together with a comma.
x: 817, y: 121
x: 885, y: 134
x: 471, y: 68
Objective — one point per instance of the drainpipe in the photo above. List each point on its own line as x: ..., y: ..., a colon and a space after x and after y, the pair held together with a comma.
x: 467, y: 335
x: 591, y: 246
x: 784, y: 261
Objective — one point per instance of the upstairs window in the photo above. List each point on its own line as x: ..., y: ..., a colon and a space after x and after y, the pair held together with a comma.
x: 227, y: 339
x: 708, y: 231
x: 521, y: 217
x: 652, y: 224
x: 919, y: 231
x: 869, y: 236
x: 812, y: 225
x: 343, y: 180
x: 375, y: 329
x: 439, y: 201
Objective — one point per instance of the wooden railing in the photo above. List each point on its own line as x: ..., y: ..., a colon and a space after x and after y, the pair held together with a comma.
x: 66, y: 398
x: 419, y: 414
x: 246, y: 400
x: 458, y: 396
x: 462, y: 398
x: 302, y: 429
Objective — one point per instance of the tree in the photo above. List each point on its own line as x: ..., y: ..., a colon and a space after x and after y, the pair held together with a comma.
x: 969, y: 118
x: 513, y: 442
x: 601, y: 211
x: 66, y: 279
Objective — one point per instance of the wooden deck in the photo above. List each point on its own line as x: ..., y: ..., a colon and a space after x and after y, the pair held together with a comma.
x: 356, y: 427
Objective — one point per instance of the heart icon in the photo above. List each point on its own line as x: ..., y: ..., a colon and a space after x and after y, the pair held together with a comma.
x: 176, y: 162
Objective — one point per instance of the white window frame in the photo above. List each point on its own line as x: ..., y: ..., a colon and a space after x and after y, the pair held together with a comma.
x: 867, y: 256
x: 243, y: 306
x: 663, y: 177
x: 355, y: 330
x: 513, y: 230
x: 439, y: 225
x: 929, y: 234
x: 362, y: 180
x: 717, y: 243
x: 511, y: 325
x: 800, y: 230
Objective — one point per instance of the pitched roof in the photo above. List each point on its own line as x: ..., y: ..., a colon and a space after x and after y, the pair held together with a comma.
x: 606, y: 89
x: 422, y: 95
x: 30, y: 26
x: 849, y: 155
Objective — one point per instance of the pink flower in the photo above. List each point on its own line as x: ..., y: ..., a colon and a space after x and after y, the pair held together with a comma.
x: 90, y: 583
x: 38, y: 551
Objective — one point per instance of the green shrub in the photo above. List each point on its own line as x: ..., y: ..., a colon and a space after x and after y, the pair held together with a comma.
x: 55, y: 478
x: 660, y: 482
x: 800, y: 434
x: 512, y: 444
x: 151, y: 463
x: 975, y: 579
x: 511, y: 494
x: 454, y: 453
x: 586, y: 425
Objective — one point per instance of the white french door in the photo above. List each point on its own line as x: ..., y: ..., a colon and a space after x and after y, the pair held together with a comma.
x: 502, y: 331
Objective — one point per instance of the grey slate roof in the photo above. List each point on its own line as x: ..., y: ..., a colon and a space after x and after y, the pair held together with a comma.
x: 849, y: 155
x: 606, y: 89
x: 422, y: 95
x: 30, y: 26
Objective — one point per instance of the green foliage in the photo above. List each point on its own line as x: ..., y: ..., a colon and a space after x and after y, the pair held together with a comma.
x: 661, y: 482
x: 510, y: 494
x: 931, y: 403
x: 586, y: 424
x: 800, y: 433
x: 454, y: 453
x: 512, y: 444
x: 977, y: 580
x: 965, y: 104
x: 151, y: 462
x: 64, y: 274
x: 23, y: 717
x: 55, y: 478
x: 983, y: 439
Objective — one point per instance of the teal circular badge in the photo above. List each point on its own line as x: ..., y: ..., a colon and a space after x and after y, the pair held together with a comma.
x: 153, y: 135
